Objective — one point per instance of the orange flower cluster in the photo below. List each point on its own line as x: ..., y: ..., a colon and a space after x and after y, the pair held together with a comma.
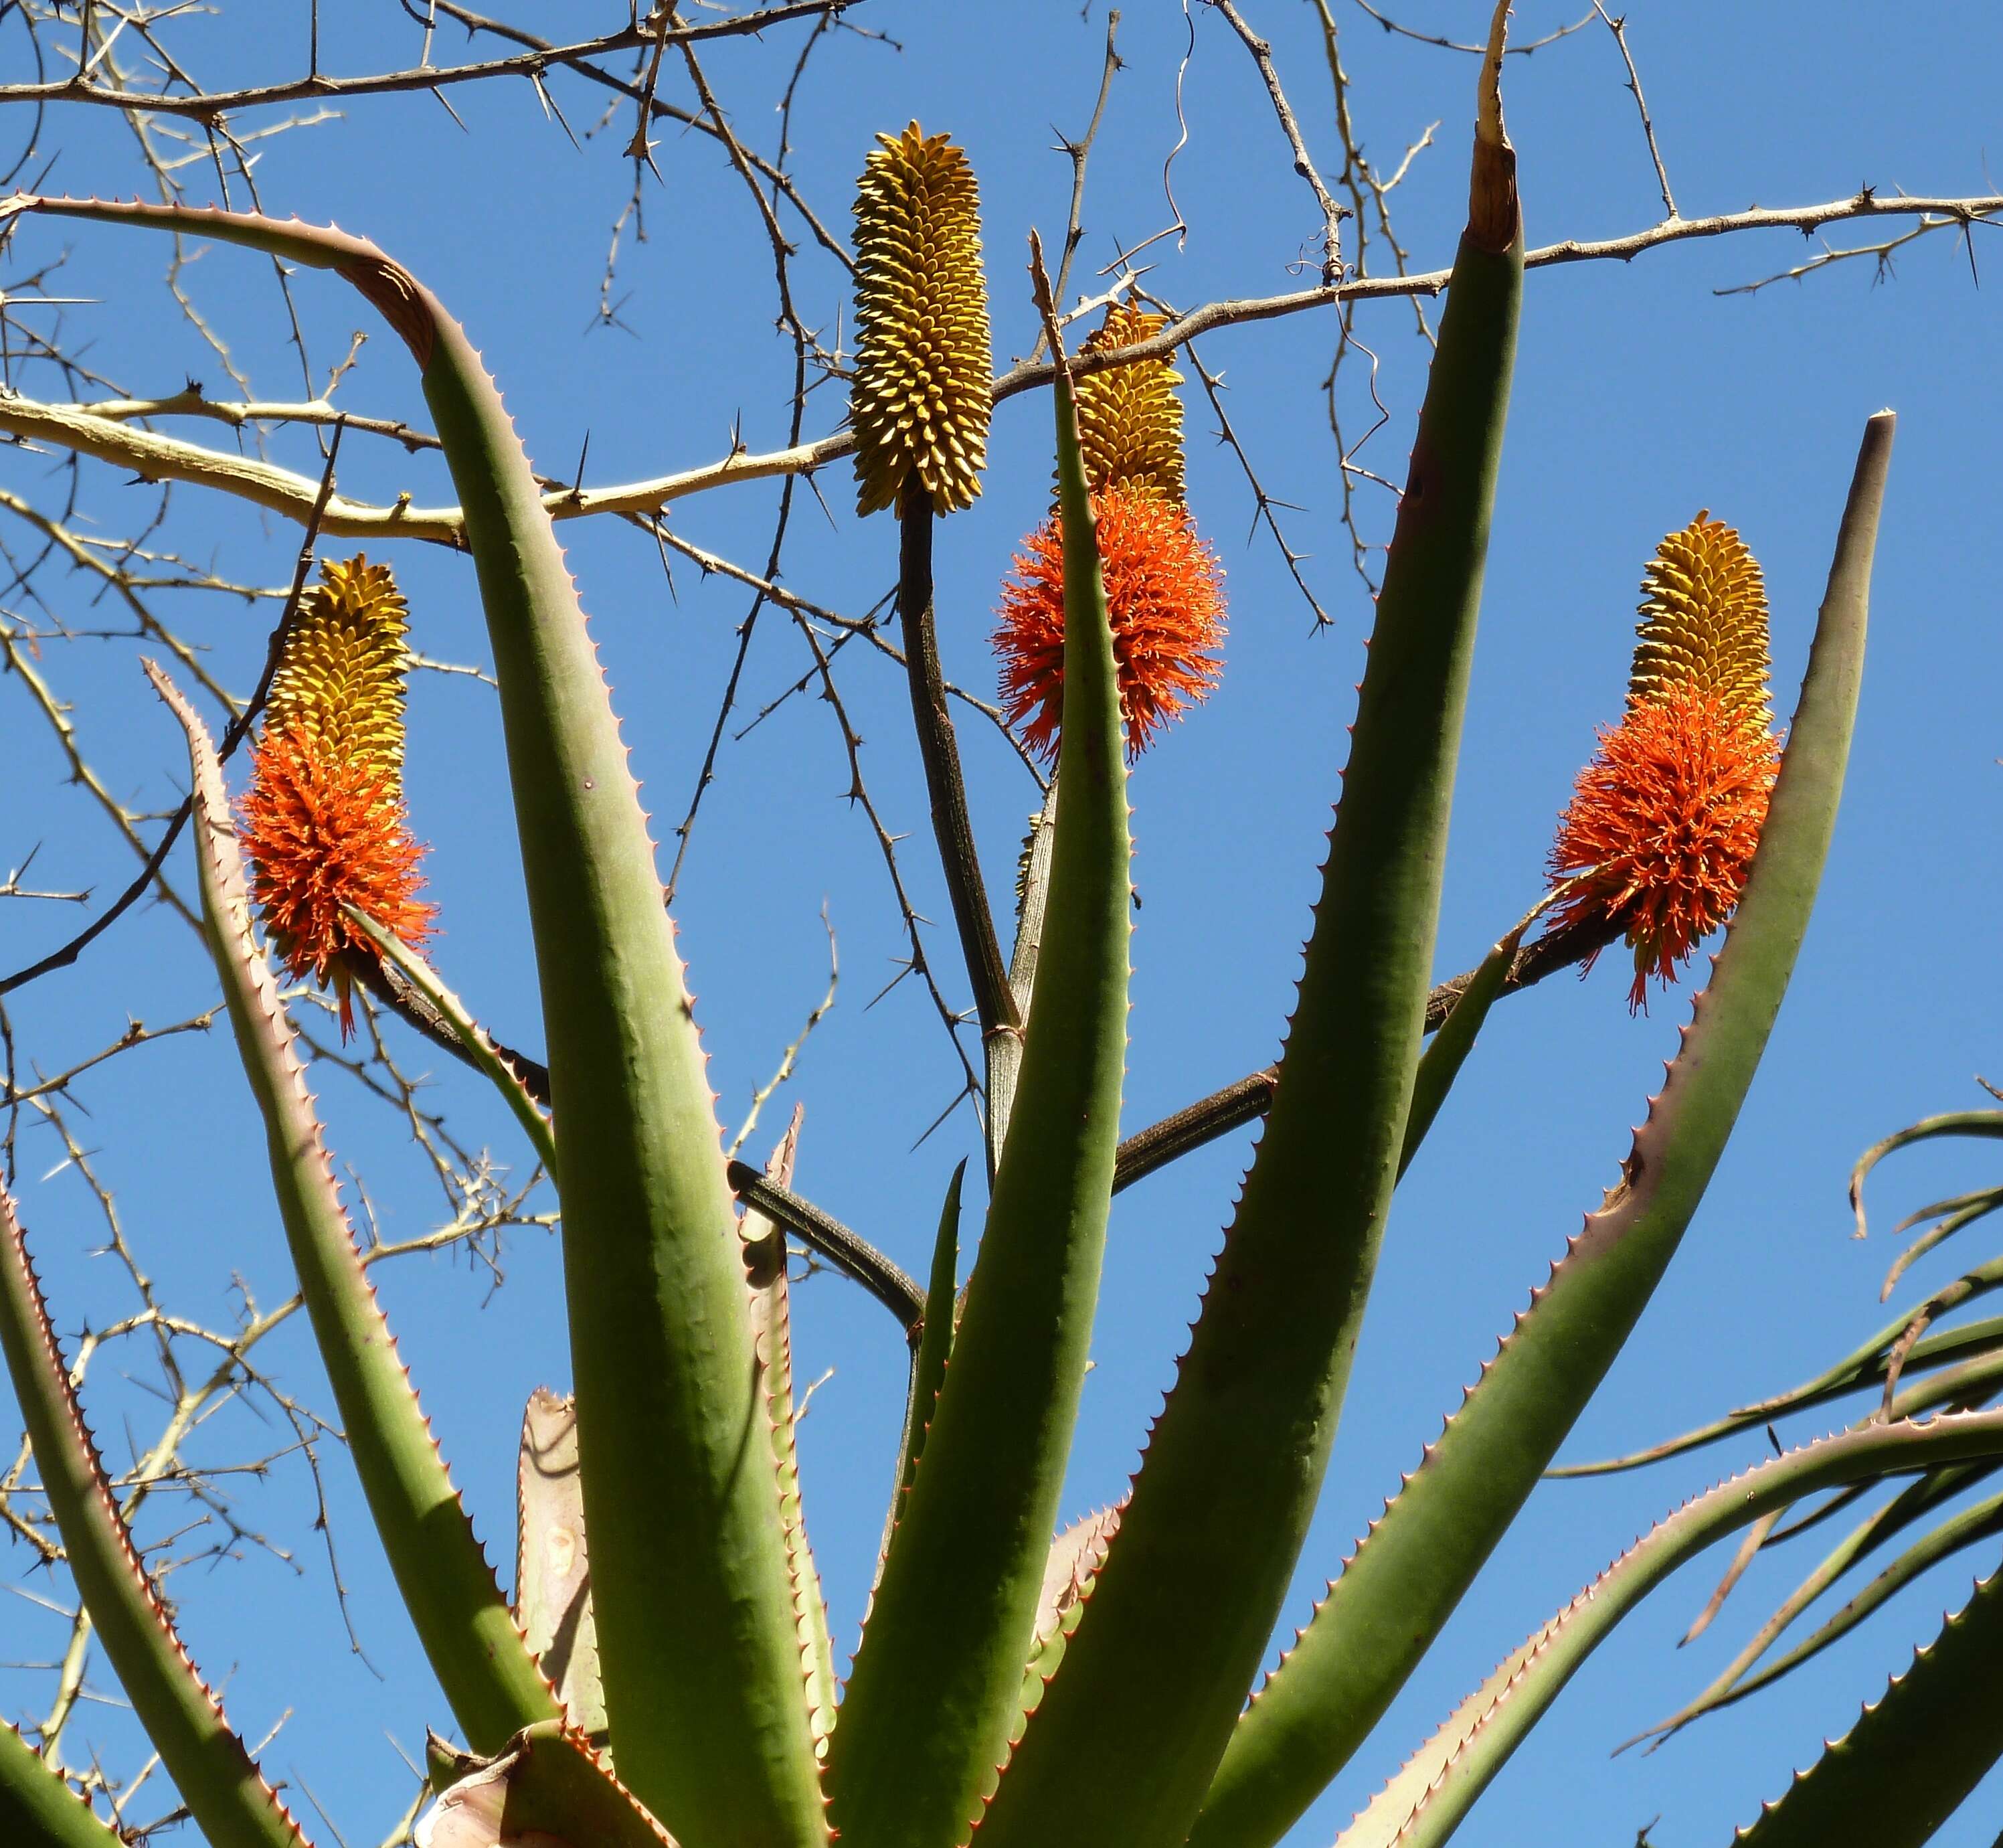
x: 1164, y: 594
x: 323, y: 824
x: 1669, y: 812
x: 1662, y: 824
x: 1164, y: 587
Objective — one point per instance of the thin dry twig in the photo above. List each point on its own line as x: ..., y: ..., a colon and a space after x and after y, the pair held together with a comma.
x: 1617, y: 24
x: 1332, y: 214
x: 155, y: 457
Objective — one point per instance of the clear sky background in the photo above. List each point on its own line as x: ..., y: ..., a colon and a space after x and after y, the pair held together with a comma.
x: 1642, y: 394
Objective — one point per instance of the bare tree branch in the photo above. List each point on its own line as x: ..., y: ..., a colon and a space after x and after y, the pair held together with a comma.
x: 155, y: 457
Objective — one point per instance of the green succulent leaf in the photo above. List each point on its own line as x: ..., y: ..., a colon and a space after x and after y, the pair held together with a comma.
x: 1980, y: 1123
x: 691, y: 1581
x: 928, y: 1364
x: 1866, y: 1365
x: 221, y: 1785
x: 934, y: 1691
x: 1423, y: 1553
x: 772, y: 1329
x: 1909, y: 1761
x: 1965, y: 1528
x: 448, y: 1586
x: 1128, y: 1735
x: 1958, y: 1215
x: 1440, y: 1064
x: 38, y: 1808
x: 1969, y: 1527
x: 1426, y: 1802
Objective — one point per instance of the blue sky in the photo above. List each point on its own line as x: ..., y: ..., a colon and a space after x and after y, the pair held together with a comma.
x: 1642, y: 394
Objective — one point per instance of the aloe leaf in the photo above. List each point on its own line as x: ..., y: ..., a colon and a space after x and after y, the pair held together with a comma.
x: 936, y: 1682
x: 220, y: 1784
x: 1906, y: 1765
x: 1981, y: 1521
x: 447, y: 1586
x: 546, y: 1787
x: 38, y: 1808
x: 1959, y: 1214
x: 690, y: 1577
x: 1130, y: 1732
x: 1069, y: 1571
x: 772, y: 1331
x: 480, y: 1048
x: 553, y: 1560
x: 1953, y: 1122
x: 1420, y: 1557
x: 1866, y: 1365
x: 1967, y: 1382
x: 935, y: 1346
x: 1422, y: 1806
x: 1032, y: 891
x: 1737, y: 1680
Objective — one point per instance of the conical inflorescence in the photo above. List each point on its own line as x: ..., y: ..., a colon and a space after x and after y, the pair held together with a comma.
x: 1663, y: 823
x: 324, y: 823
x: 923, y: 389
x: 1164, y: 594
x: 1129, y: 420
x: 1164, y: 586
x: 1703, y: 621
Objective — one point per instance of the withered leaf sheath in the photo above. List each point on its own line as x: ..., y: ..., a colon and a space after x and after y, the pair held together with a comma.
x: 1129, y: 417
x: 1703, y: 622
x: 923, y: 364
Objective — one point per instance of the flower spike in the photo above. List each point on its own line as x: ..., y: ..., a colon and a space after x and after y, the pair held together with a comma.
x: 1164, y: 592
x: 324, y: 823
x: 1129, y: 420
x: 1703, y: 621
x: 1662, y: 824
x: 923, y: 363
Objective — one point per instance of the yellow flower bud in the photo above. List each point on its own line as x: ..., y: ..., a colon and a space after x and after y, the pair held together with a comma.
x: 924, y: 366
x: 1703, y: 622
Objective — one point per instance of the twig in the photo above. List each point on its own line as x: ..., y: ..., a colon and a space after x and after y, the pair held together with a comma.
x: 1618, y: 27
x: 1251, y: 1097
x: 850, y: 1253
x: 1079, y: 153
x: 12, y: 887
x: 1263, y: 503
x: 136, y: 1033
x: 790, y: 1058
x: 157, y: 457
x: 1447, y: 44
x: 856, y: 1257
x: 1881, y: 253
x: 232, y: 737
x: 781, y: 181
x: 1332, y: 214
x: 207, y: 106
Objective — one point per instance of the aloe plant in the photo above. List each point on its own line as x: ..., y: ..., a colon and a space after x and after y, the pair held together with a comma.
x: 665, y: 1669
